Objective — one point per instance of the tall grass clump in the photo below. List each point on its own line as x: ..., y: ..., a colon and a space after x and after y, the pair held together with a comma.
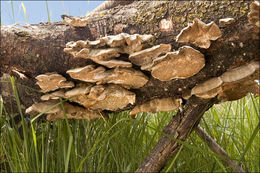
x: 119, y: 144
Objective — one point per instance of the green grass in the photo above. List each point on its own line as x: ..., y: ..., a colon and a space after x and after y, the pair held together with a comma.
x: 119, y: 144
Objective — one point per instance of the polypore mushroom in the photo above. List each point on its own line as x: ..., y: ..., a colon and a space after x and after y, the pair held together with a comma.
x: 52, y: 81
x: 146, y: 56
x: 181, y: 64
x: 115, y: 97
x: 226, y: 21
x: 111, y: 97
x: 208, y: 89
x: 231, y: 85
x: 157, y: 105
x: 57, y: 111
x: 240, y: 72
x: 253, y: 15
x: 87, y: 73
x: 199, y: 33
x: 53, y: 96
x: 127, y: 77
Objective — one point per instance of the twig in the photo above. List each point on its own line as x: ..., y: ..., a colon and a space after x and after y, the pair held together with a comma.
x: 212, y: 144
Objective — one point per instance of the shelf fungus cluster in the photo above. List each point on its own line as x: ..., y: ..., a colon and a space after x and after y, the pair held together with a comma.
x: 231, y: 85
x: 199, y: 33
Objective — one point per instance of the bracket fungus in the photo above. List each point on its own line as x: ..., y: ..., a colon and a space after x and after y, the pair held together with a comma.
x: 57, y: 111
x: 119, y: 44
x: 181, y: 64
x: 231, y: 85
x: 127, y: 77
x: 52, y: 81
x: 199, y: 33
x: 110, y: 97
x: 146, y: 56
x: 54, y: 95
x: 253, y: 15
x: 208, y: 89
x: 157, y: 105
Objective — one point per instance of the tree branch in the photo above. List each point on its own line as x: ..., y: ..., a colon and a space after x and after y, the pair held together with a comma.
x: 179, y: 128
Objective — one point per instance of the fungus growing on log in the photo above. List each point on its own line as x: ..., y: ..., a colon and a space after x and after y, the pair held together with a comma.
x: 181, y: 64
x: 199, y: 33
x: 226, y: 21
x: 231, y: 85
x: 208, y: 89
x: 157, y: 105
x: 241, y: 72
x: 253, y: 15
x: 52, y: 81
x: 53, y: 96
x: 118, y: 44
x: 146, y: 56
x: 127, y: 77
x: 57, y: 112
x: 110, y: 97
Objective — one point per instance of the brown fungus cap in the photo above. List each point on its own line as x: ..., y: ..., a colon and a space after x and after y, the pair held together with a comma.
x: 52, y: 81
x: 181, y: 64
x: 208, y: 89
x: 157, y: 105
x: 101, y: 97
x: 231, y: 85
x: 199, y: 34
x: 253, y: 15
x: 146, y: 56
x: 57, y: 112
x: 54, y: 95
x: 127, y: 77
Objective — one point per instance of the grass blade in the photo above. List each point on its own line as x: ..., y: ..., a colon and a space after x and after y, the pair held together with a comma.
x: 25, y: 14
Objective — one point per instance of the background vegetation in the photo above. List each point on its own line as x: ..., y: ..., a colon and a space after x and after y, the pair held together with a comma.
x: 119, y: 144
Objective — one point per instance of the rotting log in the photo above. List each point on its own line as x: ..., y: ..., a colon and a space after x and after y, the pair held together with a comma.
x: 38, y: 48
x: 31, y: 50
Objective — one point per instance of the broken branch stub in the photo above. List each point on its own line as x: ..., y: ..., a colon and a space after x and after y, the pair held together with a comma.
x: 127, y: 77
x: 76, y: 21
x: 181, y: 64
x: 157, y: 105
x: 52, y: 81
x: 199, y: 33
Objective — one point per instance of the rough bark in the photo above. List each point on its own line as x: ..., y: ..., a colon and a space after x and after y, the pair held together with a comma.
x: 179, y: 128
x: 38, y: 48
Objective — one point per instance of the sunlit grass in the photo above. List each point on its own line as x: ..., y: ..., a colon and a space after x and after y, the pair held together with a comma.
x: 25, y: 13
x: 120, y: 144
